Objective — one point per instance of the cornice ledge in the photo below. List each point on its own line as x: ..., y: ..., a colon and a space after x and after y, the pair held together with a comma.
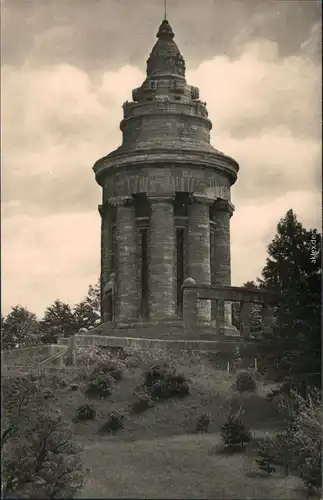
x: 207, y: 158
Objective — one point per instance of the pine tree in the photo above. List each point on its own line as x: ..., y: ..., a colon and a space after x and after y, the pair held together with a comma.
x: 58, y: 321
x: 85, y: 316
x: 293, y: 270
x: 234, y: 433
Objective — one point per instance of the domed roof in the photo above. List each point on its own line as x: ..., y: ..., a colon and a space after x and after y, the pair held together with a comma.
x: 165, y: 58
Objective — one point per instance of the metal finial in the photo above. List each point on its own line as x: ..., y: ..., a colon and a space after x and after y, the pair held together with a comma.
x: 165, y: 10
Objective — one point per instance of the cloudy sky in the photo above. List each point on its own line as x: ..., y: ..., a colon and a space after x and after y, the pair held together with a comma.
x: 67, y: 67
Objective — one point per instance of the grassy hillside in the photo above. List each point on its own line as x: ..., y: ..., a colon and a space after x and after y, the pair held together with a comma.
x: 158, y: 454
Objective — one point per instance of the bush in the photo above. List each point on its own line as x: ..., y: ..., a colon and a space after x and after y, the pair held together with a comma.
x: 267, y: 453
x: 114, y: 423
x: 305, y: 432
x: 163, y: 382
x: 143, y: 403
x: 101, y: 385
x: 234, y: 433
x: 203, y: 422
x: 40, y: 459
x: 108, y: 368
x: 245, y: 382
x: 156, y: 373
x: 85, y: 412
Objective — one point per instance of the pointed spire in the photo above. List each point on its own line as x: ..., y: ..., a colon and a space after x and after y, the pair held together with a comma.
x: 165, y: 31
x: 165, y: 58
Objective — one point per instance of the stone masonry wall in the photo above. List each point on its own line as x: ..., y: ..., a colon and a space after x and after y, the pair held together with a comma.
x: 166, y: 179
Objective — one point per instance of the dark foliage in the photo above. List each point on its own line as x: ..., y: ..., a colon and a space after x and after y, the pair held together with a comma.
x: 203, y: 422
x: 245, y: 382
x: 114, y: 423
x: 85, y: 412
x: 162, y: 382
x: 108, y: 368
x: 234, y: 433
x: 293, y: 271
x: 100, y: 385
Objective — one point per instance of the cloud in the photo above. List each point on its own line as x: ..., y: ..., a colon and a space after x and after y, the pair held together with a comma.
x: 59, y: 119
x: 253, y: 226
x: 50, y: 257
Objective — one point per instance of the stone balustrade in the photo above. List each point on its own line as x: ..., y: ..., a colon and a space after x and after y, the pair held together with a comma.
x: 193, y: 293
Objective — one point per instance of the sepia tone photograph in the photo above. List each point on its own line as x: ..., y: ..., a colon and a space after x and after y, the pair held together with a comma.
x: 161, y: 215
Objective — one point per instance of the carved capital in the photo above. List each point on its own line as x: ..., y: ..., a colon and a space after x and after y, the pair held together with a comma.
x: 202, y: 198
x: 120, y: 201
x: 224, y: 206
x: 161, y: 198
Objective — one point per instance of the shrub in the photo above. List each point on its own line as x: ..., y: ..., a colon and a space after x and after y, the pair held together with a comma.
x: 267, y: 453
x: 245, y: 382
x: 143, y: 403
x: 101, y: 385
x: 40, y: 459
x: 203, y: 422
x: 234, y: 433
x: 85, y: 412
x: 108, y: 368
x: 305, y: 432
x: 114, y: 423
x: 157, y: 372
x: 163, y: 382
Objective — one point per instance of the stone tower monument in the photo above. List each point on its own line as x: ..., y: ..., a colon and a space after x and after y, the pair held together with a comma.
x: 166, y: 208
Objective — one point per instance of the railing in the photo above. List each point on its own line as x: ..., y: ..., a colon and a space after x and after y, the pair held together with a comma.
x: 193, y: 295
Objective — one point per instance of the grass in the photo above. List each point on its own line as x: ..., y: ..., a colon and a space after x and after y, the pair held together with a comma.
x: 177, y: 467
x: 158, y: 454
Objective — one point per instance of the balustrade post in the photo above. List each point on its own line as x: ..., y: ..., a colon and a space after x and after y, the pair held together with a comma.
x: 267, y: 319
x: 244, y: 319
x: 190, y: 309
x: 220, y: 316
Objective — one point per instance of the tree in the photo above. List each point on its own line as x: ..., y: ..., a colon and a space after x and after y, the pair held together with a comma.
x: 85, y: 315
x: 19, y: 328
x: 40, y: 459
x: 58, y: 321
x: 234, y: 433
x: 293, y: 270
x: 93, y: 297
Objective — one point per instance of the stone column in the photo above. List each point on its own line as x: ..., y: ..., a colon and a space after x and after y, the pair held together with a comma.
x: 198, y: 239
x: 126, y: 292
x: 105, y: 250
x: 221, y: 262
x: 161, y: 253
